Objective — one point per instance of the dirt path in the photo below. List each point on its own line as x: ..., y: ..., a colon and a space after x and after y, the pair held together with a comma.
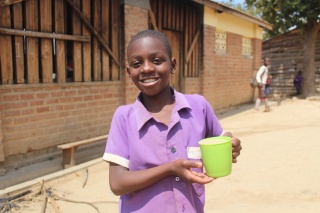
x: 278, y: 170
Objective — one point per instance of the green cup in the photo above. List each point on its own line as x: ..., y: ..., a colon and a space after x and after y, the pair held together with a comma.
x: 216, y: 155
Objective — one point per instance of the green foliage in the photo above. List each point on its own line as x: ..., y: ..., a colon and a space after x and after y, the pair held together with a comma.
x: 286, y: 15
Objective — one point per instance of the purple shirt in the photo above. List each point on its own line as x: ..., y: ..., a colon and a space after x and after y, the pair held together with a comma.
x: 138, y: 141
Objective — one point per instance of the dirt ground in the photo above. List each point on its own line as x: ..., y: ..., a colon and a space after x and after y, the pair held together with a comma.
x: 278, y: 170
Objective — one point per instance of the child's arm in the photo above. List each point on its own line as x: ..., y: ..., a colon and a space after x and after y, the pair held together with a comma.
x: 123, y: 181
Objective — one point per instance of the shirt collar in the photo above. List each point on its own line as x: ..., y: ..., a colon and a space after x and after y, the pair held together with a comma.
x: 142, y: 115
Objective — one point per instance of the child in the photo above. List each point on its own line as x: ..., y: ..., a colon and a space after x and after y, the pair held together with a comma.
x: 261, y: 77
x: 267, y: 91
x: 152, y: 148
x: 297, y: 82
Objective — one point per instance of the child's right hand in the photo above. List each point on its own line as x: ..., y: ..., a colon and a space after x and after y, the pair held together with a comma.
x: 182, y: 169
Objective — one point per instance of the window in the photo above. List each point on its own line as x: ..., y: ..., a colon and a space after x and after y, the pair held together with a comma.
x: 221, y: 41
x: 246, y: 47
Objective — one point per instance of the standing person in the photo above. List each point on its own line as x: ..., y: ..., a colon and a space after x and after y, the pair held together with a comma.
x: 297, y: 82
x: 262, y: 76
x: 152, y: 148
x: 267, y: 91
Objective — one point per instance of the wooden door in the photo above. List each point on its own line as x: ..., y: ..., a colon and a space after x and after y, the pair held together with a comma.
x: 174, y: 38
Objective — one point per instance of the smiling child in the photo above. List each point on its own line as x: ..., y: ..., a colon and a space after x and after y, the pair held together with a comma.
x: 152, y: 148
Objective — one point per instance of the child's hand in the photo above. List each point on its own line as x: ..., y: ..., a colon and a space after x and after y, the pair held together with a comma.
x: 182, y: 169
x: 236, y: 146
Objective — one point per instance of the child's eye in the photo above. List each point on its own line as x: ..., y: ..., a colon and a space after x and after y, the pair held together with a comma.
x: 135, y: 64
x: 157, y: 60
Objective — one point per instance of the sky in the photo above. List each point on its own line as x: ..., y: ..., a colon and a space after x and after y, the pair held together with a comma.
x: 234, y: 1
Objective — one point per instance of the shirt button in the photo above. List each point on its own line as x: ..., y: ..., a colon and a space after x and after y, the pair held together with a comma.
x: 177, y: 179
x: 173, y: 149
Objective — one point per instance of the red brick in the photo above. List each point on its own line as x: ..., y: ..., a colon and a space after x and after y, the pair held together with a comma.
x: 10, y: 97
x: 43, y: 109
x: 27, y: 96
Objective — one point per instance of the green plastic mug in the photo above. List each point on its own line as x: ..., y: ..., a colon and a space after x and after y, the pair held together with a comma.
x: 216, y: 155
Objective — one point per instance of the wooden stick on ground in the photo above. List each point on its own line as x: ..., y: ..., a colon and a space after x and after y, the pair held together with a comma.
x: 53, y: 203
x: 44, y: 204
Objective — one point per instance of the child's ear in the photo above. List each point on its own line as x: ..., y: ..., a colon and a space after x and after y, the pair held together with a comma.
x: 173, y: 65
x: 128, y: 72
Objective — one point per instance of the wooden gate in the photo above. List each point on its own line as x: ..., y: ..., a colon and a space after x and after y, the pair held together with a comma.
x: 181, y: 22
x: 59, y: 40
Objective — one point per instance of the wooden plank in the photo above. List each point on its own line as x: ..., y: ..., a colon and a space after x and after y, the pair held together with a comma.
x: 77, y: 53
x: 18, y: 42
x: 8, y: 2
x: 60, y: 48
x: 192, y: 46
x: 93, y: 31
x: 32, y: 43
x: 173, y: 15
x: 46, y: 44
x: 169, y: 24
x: 165, y: 14
x: 197, y: 61
x: 153, y: 20
x: 155, y: 12
x: 160, y: 13
x: 35, y: 34
x: 178, y: 15
x: 69, y: 157
x: 96, y: 50
x: 6, y: 44
x: 105, y: 34
x: 115, y: 7
x: 82, y: 142
x: 182, y: 9
x: 86, y: 47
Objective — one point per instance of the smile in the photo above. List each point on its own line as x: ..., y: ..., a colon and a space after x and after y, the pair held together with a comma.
x: 150, y: 80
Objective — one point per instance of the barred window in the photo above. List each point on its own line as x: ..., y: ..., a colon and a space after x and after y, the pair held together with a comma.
x: 246, y: 46
x: 221, y: 41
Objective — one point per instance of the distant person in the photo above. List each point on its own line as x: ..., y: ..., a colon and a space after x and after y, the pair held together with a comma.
x: 262, y: 77
x: 153, y: 151
x: 267, y: 91
x: 297, y: 82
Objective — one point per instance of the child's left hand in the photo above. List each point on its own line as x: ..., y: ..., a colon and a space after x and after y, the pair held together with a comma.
x: 182, y: 169
x: 236, y: 146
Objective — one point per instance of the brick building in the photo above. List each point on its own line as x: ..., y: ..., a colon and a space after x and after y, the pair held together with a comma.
x: 62, y: 63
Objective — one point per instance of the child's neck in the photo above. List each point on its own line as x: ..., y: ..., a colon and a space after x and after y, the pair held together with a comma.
x: 156, y: 104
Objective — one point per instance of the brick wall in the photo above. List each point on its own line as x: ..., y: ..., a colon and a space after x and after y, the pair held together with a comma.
x: 39, y: 116
x: 135, y: 20
x: 227, y: 76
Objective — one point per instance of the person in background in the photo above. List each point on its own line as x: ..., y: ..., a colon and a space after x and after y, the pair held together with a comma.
x: 297, y: 82
x: 152, y: 147
x: 267, y: 91
x: 262, y: 77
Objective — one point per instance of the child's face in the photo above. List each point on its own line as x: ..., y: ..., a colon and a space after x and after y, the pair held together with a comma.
x: 149, y: 65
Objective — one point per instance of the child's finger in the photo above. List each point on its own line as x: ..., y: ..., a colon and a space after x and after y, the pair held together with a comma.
x: 192, y: 164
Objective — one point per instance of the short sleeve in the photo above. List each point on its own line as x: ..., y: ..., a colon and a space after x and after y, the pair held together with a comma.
x: 117, y: 144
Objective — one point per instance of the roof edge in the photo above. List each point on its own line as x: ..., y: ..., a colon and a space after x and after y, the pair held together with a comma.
x: 223, y: 8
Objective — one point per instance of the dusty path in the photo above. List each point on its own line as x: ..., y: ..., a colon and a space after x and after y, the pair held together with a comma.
x: 278, y: 170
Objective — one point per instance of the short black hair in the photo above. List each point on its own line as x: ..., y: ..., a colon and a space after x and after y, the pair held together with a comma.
x: 153, y: 34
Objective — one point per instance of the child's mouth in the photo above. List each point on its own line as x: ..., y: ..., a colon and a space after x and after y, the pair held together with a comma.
x: 150, y: 80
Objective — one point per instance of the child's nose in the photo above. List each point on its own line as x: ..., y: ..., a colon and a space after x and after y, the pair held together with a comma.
x: 147, y: 67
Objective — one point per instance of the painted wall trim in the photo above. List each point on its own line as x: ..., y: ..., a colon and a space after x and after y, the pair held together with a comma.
x: 223, y: 8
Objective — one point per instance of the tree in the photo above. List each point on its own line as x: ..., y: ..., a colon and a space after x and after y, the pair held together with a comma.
x: 300, y: 14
